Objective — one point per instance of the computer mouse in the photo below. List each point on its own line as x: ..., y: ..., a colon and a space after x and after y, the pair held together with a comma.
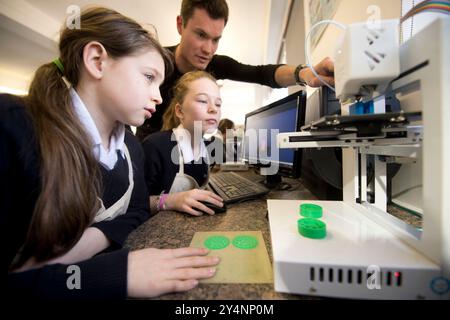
x: 285, y: 186
x: 215, y: 208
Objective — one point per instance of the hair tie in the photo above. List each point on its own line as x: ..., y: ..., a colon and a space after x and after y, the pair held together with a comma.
x: 59, y: 65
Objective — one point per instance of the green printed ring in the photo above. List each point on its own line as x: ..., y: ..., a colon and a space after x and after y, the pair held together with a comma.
x: 245, y: 242
x: 309, y: 210
x: 216, y: 242
x: 312, y: 228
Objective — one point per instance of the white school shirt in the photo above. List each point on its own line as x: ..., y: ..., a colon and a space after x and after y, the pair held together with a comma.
x: 184, y: 143
x: 107, y: 158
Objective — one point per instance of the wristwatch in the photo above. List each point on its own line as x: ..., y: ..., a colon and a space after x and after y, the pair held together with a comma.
x: 298, y: 80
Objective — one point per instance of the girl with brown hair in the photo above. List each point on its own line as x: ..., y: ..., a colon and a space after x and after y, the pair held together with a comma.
x: 72, y: 182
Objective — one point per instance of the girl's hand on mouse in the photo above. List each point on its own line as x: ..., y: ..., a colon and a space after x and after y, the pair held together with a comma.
x: 189, y: 201
x: 153, y: 272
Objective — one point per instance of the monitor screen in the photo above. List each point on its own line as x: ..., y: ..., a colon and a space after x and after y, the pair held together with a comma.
x: 261, y: 127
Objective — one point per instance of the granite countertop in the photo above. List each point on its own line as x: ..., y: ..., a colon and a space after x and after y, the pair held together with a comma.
x: 169, y: 229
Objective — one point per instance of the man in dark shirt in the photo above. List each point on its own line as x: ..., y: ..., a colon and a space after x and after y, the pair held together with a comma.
x: 200, y: 26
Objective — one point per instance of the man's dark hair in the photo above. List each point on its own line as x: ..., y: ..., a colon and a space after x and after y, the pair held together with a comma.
x: 216, y: 9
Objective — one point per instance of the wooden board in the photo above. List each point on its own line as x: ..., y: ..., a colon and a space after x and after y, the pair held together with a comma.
x: 238, y: 265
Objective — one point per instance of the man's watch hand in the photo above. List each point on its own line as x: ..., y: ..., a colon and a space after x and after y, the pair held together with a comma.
x: 299, y: 80
x: 325, y: 69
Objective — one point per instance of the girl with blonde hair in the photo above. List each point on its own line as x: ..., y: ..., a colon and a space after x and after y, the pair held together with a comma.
x: 177, y: 160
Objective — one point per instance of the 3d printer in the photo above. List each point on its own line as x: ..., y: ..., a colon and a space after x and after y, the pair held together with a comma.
x: 368, y: 252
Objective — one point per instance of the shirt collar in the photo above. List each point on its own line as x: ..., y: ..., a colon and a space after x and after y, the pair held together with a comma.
x: 116, y: 143
x: 183, y: 138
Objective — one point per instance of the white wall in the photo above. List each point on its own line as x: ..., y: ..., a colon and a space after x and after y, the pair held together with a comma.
x: 348, y: 11
x: 252, y: 36
x: 27, y: 41
x: 240, y: 98
x: 351, y: 11
x: 29, y: 30
x: 416, y: 23
x: 295, y: 38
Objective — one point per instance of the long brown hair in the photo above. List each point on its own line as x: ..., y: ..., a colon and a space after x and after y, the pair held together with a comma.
x: 70, y: 176
x: 170, y: 119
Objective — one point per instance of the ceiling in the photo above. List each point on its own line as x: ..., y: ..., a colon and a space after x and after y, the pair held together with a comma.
x: 248, y: 20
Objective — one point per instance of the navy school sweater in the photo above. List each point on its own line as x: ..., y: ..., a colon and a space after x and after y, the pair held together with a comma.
x: 160, y: 170
x: 103, y: 276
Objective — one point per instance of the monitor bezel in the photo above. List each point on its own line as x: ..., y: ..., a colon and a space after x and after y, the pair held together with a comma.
x: 285, y: 170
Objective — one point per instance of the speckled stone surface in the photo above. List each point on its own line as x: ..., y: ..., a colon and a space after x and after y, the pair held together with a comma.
x: 411, y: 219
x: 169, y: 229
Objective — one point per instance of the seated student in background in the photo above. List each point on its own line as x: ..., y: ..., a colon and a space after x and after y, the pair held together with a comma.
x: 229, y: 149
x: 72, y: 181
x: 177, y: 164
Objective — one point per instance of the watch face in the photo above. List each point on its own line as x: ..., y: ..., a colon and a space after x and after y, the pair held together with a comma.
x: 299, y: 81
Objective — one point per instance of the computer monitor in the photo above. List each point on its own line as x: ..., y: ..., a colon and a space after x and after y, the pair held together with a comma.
x: 286, y: 115
x: 322, y: 169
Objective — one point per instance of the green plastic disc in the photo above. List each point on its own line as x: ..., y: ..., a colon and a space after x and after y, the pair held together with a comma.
x: 312, y: 228
x: 309, y: 210
x: 245, y: 242
x: 216, y: 242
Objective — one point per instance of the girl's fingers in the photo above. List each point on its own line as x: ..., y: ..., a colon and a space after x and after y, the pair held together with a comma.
x: 195, y: 262
x: 185, y: 252
x: 215, y: 196
x: 192, y: 273
x: 202, y: 207
x: 208, y: 194
x: 193, y: 212
x: 178, y: 285
x: 216, y: 202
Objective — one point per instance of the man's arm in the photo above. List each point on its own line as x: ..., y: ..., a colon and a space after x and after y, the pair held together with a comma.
x: 272, y: 75
x: 284, y: 75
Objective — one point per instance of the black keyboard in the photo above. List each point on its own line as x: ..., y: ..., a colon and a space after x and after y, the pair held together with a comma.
x: 231, y: 187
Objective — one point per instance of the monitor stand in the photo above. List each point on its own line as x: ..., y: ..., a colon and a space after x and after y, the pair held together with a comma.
x: 271, y: 181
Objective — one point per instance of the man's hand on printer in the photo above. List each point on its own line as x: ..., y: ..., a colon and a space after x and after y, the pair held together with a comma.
x: 325, y: 69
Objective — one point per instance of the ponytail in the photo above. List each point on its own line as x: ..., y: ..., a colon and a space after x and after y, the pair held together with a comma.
x: 70, y: 183
x: 69, y: 173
